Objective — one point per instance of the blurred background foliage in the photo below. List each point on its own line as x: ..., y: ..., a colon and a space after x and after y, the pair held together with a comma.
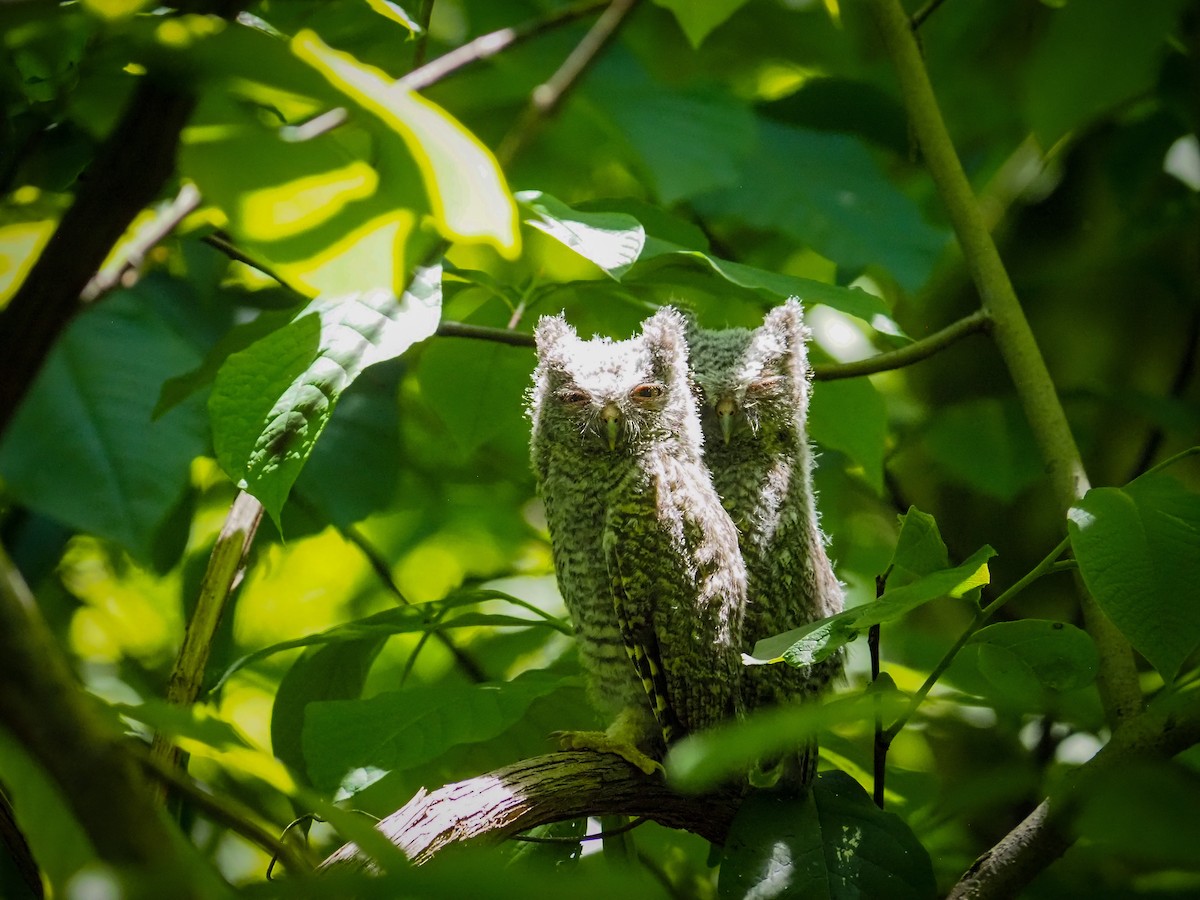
x: 771, y: 136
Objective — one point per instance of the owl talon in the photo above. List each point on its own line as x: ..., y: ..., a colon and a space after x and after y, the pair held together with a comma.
x: 600, y: 742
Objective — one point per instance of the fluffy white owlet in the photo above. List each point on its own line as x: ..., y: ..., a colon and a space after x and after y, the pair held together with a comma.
x: 646, y: 557
x: 754, y: 388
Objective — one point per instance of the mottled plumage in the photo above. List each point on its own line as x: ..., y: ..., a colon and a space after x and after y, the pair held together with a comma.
x: 754, y: 388
x: 646, y: 557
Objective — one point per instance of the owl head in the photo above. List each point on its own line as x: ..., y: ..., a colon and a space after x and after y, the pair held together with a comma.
x: 603, y: 396
x: 752, y: 384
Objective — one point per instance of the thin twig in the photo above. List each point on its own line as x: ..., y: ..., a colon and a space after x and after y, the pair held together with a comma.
x: 383, y: 572
x: 223, y: 811
x: 423, y: 18
x: 976, y: 322
x: 880, y: 745
x: 220, y: 578
x: 982, y: 617
x: 124, y: 271
x: 488, y: 45
x: 546, y: 98
x: 919, y: 17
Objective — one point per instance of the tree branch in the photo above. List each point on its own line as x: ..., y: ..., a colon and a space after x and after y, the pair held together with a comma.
x: 546, y: 98
x: 538, y: 791
x: 1117, y: 678
x: 131, y: 168
x: 42, y: 706
x: 906, y: 356
x: 1164, y: 730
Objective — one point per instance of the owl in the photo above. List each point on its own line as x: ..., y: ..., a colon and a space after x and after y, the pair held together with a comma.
x: 646, y: 557
x: 754, y: 388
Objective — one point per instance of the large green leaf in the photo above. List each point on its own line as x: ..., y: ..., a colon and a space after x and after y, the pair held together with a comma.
x: 1032, y: 655
x: 1139, y: 553
x: 466, y: 188
x: 498, y: 376
x: 849, y: 416
x: 1093, y: 57
x: 401, y: 729
x: 919, y: 551
x: 612, y: 240
x: 83, y: 448
x: 827, y: 191
x: 833, y: 843
x: 819, y: 640
x: 271, y: 401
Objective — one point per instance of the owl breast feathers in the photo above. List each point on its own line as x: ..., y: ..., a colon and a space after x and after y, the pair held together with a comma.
x: 754, y: 388
x: 646, y: 557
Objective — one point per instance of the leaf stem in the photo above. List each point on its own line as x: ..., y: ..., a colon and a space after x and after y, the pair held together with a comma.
x: 1118, y: 682
x: 982, y: 617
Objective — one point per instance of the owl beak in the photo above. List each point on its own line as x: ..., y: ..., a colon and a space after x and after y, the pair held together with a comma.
x: 726, y: 409
x: 611, y: 416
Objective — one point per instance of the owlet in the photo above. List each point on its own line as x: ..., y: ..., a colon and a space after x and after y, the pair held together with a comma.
x: 754, y: 388
x: 646, y: 557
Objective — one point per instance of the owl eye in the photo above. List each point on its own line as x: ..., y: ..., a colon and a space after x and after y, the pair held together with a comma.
x: 573, y: 396
x: 648, y: 391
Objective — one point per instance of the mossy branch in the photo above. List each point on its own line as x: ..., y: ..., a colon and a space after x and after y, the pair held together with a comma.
x: 1118, y: 681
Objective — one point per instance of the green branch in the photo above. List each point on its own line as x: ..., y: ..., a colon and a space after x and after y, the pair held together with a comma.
x: 1117, y: 681
x: 906, y: 356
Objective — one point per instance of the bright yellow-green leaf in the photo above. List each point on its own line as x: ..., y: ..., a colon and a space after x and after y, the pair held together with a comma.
x: 20, y: 244
x: 395, y: 13
x: 113, y: 9
x: 470, y: 199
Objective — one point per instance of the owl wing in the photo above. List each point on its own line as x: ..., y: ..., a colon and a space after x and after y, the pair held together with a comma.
x: 638, y: 569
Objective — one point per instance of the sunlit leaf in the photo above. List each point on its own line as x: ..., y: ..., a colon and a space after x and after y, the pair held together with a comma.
x: 271, y: 401
x: 611, y: 240
x: 470, y: 198
x: 697, y: 19
x: 1139, y: 553
x: 819, y: 640
x: 833, y: 842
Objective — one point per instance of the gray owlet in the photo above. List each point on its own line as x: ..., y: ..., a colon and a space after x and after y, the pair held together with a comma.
x: 754, y: 388
x: 646, y: 557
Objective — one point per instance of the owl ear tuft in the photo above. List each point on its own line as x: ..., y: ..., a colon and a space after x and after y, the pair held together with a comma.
x: 551, y: 334
x: 665, y: 334
x: 787, y: 321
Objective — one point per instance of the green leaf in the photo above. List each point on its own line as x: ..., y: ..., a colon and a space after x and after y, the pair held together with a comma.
x: 920, y: 549
x: 82, y: 447
x: 1092, y: 57
x: 628, y: 250
x: 498, y: 376
x: 271, y: 401
x: 1139, y: 553
x: 987, y: 445
x: 408, y: 619
x: 832, y: 843
x: 861, y: 436
x: 330, y: 672
x: 842, y: 205
x: 1027, y: 656
x: 611, y: 240
x: 686, y: 141
x: 704, y: 760
x: 401, y: 729
x: 56, y: 839
x: 471, y: 201
x: 819, y: 640
x: 698, y: 18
